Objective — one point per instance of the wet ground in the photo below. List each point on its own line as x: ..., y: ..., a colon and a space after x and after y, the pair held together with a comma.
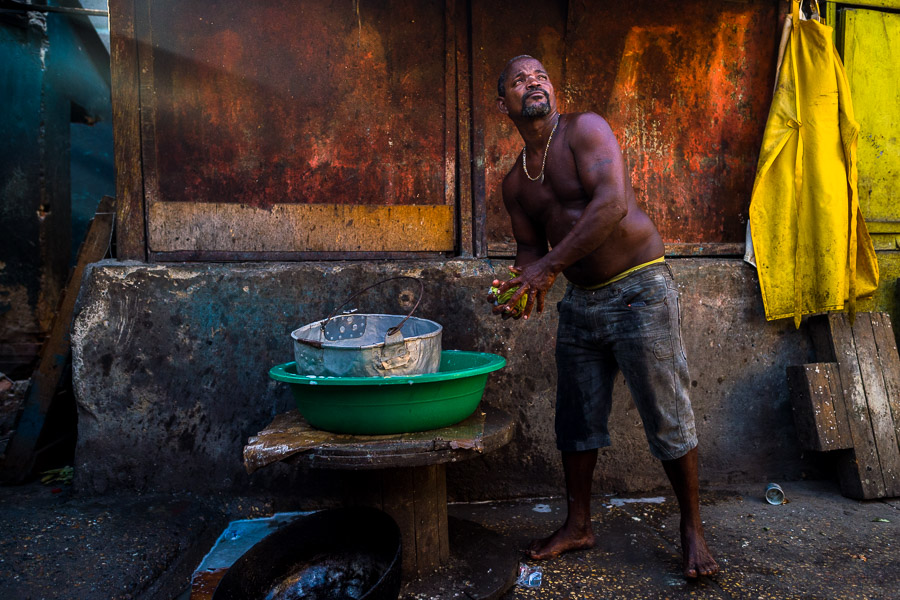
x: 819, y: 545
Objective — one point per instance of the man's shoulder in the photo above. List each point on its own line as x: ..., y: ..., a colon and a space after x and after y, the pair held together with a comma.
x: 588, y: 131
x: 587, y: 122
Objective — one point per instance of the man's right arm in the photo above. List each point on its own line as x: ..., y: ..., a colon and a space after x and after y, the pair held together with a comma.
x: 531, y: 246
x: 531, y: 240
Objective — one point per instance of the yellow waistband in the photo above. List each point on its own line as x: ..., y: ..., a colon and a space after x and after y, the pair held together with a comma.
x: 623, y: 274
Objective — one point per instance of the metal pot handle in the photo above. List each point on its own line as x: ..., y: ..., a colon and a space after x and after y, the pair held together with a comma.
x: 396, y: 327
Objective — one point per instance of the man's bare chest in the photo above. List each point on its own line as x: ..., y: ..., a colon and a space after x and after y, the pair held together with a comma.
x: 560, y: 193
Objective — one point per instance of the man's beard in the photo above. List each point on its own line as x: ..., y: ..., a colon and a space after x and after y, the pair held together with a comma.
x: 541, y: 109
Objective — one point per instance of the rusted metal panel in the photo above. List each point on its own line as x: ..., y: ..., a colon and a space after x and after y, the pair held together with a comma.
x: 300, y: 102
x: 500, y: 31
x: 278, y: 104
x: 686, y: 86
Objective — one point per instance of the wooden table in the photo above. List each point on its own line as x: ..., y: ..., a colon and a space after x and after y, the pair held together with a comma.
x: 403, y: 475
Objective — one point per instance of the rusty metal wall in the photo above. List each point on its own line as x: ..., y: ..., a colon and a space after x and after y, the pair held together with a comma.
x: 686, y: 87
x: 294, y: 102
x: 501, y: 31
x: 246, y: 107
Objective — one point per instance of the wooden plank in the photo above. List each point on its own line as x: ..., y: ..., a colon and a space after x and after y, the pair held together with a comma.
x: 428, y: 526
x: 228, y: 227
x: 55, y: 354
x: 839, y: 406
x: 452, y: 182
x: 123, y: 51
x: 864, y: 459
x: 886, y: 227
x: 399, y: 503
x: 148, y: 110
x: 203, y: 255
x: 442, y: 516
x: 803, y: 384
x: 471, y: 206
x: 820, y: 335
x: 203, y: 583
x: 289, y: 436
x: 504, y: 249
x: 875, y: 376
x: 890, y: 364
x: 815, y: 390
x: 876, y: 398
x: 895, y: 4
x: 716, y: 249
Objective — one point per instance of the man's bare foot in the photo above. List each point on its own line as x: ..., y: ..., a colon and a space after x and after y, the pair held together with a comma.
x: 564, y: 539
x: 698, y: 560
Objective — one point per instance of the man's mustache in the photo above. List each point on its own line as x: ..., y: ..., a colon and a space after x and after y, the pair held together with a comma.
x: 530, y: 94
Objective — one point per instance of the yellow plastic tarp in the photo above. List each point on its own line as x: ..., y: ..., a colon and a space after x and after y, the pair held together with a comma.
x: 813, y: 251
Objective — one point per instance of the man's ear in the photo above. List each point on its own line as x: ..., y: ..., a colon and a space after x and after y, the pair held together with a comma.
x: 501, y: 105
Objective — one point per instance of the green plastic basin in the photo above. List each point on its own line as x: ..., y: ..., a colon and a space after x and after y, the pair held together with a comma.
x: 388, y: 405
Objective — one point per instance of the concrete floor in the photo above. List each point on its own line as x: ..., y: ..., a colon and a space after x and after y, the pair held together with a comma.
x: 820, y: 545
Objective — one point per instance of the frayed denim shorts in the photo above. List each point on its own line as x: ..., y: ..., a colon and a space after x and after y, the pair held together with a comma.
x: 632, y: 325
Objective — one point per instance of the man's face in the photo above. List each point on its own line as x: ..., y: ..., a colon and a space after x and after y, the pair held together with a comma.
x: 529, y: 92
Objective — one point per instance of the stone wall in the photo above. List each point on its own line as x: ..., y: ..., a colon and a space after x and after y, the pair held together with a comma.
x: 171, y: 361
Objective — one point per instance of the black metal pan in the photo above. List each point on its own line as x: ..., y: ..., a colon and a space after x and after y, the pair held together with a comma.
x: 339, y: 554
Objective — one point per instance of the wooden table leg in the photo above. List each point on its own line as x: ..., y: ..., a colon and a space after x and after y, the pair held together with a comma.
x: 416, y: 497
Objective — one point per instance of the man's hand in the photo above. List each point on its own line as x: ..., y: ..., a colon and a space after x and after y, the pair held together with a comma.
x: 500, y: 298
x: 533, y: 279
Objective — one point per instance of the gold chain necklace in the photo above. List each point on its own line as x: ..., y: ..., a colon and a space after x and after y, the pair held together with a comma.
x: 543, y: 162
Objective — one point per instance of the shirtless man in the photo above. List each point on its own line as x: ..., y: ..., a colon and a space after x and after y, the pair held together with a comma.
x: 573, y: 212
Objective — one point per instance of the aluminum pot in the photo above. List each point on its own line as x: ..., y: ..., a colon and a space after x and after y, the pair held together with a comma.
x: 368, y: 345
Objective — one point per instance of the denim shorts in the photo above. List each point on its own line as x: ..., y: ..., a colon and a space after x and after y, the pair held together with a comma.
x: 634, y: 325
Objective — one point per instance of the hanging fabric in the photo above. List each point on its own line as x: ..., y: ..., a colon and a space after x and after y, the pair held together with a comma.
x: 749, y: 253
x: 812, y: 249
